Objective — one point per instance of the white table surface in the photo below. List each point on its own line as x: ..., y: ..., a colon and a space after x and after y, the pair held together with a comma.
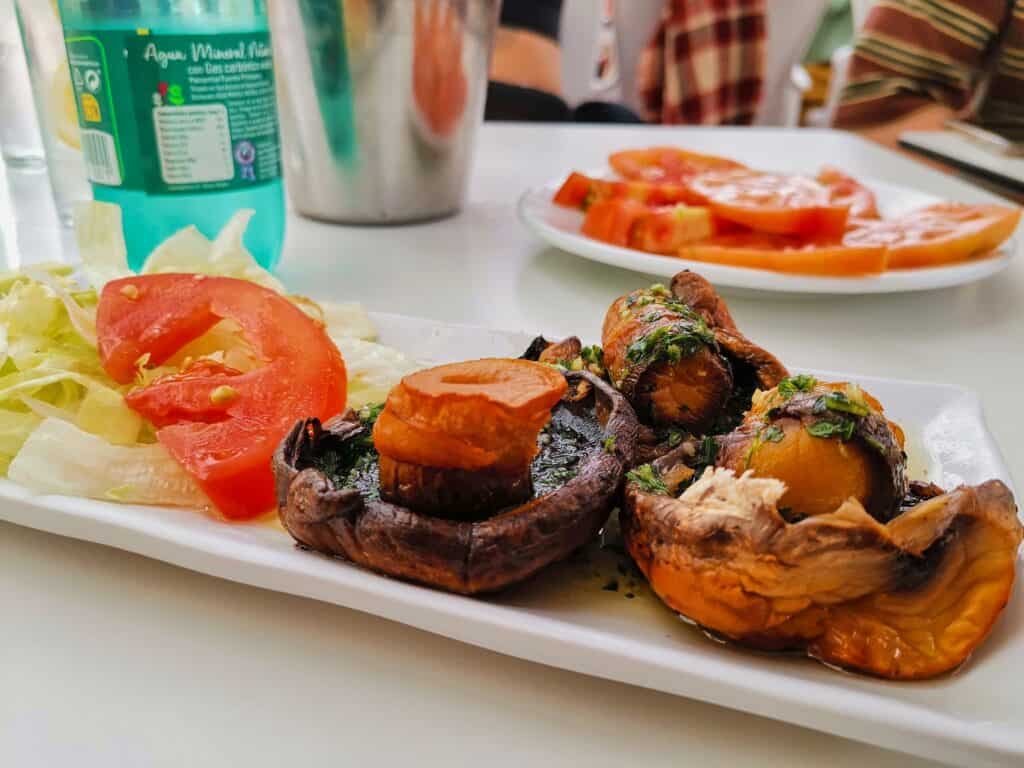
x: 109, y: 659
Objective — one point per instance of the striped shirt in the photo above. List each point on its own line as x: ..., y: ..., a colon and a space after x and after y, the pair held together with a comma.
x: 966, y: 55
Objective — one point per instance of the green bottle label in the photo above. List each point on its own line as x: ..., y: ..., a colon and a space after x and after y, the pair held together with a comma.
x: 172, y: 114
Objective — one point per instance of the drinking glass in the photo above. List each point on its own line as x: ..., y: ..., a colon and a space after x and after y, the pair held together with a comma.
x: 56, y: 108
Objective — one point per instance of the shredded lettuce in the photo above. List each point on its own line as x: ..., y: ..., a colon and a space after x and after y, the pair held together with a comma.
x: 49, y: 368
x: 373, y: 369
x: 105, y: 257
x: 58, y: 457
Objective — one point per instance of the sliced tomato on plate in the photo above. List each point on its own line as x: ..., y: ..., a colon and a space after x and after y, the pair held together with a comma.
x: 220, y: 424
x: 662, y: 229
x: 937, y: 235
x: 666, y: 164
x: 846, y: 190
x: 771, y: 202
x: 581, y: 191
x: 612, y: 220
x: 791, y: 255
x: 667, y: 229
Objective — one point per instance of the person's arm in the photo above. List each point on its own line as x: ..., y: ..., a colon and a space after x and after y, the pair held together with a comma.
x: 527, y: 59
x: 526, y: 51
x: 916, y: 64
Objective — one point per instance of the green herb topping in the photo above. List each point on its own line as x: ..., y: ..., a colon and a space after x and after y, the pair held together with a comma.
x: 842, y: 428
x: 609, y: 444
x: 683, y: 338
x: 368, y: 413
x: 647, y: 477
x: 772, y: 434
x: 793, y: 384
x: 708, y: 451
x: 592, y: 355
x: 838, y: 401
x: 675, y: 436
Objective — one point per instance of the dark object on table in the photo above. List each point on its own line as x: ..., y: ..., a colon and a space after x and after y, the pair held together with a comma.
x: 513, y: 102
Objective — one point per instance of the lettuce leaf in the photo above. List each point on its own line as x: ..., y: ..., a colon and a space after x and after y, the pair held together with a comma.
x: 49, y: 366
x: 101, y: 246
x: 58, y: 457
x: 373, y: 369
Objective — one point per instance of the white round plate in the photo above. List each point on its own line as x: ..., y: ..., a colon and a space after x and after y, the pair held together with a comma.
x: 560, y: 227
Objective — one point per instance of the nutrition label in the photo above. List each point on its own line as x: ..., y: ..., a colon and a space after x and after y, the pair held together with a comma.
x: 194, y: 144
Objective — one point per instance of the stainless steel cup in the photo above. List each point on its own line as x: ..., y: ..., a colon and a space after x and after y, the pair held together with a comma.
x: 380, y: 101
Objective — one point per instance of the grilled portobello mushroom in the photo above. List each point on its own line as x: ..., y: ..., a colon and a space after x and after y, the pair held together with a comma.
x: 328, y: 487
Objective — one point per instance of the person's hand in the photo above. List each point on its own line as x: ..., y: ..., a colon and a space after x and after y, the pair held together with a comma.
x: 439, y: 81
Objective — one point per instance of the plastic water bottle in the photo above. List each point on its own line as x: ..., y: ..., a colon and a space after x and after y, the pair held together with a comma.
x: 176, y: 103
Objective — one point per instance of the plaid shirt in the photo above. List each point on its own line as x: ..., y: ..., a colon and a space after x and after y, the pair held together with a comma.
x: 962, y: 54
x: 705, y: 63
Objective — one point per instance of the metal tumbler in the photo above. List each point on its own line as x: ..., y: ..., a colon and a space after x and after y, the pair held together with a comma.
x: 380, y: 101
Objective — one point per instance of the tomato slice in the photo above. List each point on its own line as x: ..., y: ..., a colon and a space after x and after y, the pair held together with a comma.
x: 580, y: 191
x: 662, y: 229
x: 779, y: 253
x: 611, y: 220
x: 938, y: 234
x: 666, y: 164
x: 667, y: 229
x: 220, y: 424
x: 771, y: 202
x: 846, y: 190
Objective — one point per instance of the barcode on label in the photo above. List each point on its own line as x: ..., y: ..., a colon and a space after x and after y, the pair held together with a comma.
x: 101, y: 158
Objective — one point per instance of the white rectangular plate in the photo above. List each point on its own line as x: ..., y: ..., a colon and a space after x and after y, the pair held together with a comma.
x: 565, y: 618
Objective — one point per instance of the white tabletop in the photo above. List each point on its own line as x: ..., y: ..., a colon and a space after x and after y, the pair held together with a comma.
x: 110, y: 659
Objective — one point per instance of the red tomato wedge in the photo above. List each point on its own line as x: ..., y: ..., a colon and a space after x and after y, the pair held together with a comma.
x: 666, y: 164
x: 771, y: 202
x: 612, y: 220
x: 846, y: 190
x: 791, y: 255
x: 940, y: 234
x: 580, y: 191
x: 665, y: 229
x: 220, y: 424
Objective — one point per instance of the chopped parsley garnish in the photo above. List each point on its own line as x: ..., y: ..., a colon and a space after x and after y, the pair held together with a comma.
x: 841, y: 428
x: 368, y: 413
x: 609, y: 444
x: 708, y: 451
x: 766, y: 434
x: 838, y: 401
x: 675, y: 437
x: 684, y: 338
x: 592, y: 355
x: 647, y: 477
x: 790, y: 385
